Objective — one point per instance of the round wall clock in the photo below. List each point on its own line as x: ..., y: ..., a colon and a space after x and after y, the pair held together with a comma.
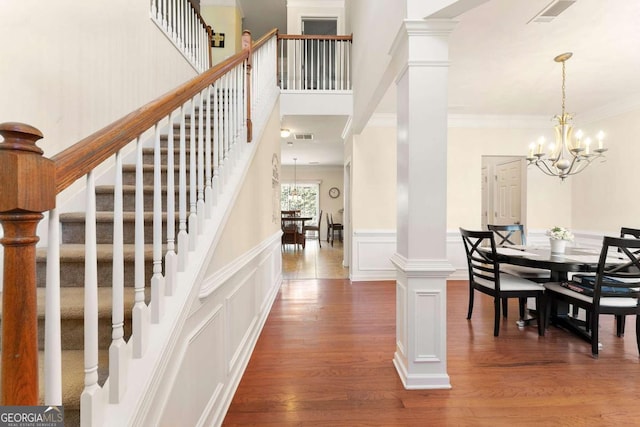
x: 334, y: 192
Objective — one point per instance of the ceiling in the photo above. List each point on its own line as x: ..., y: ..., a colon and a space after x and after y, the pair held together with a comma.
x: 501, y: 63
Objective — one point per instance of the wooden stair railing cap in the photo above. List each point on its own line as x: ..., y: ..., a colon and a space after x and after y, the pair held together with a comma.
x: 28, y: 178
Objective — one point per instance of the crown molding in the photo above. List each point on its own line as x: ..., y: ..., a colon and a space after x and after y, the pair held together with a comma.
x: 610, y: 110
x: 316, y: 3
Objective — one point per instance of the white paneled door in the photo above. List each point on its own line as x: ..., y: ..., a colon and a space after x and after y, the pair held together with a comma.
x: 508, y: 193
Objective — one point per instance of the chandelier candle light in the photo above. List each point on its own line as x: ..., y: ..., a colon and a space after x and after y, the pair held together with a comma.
x: 568, y: 155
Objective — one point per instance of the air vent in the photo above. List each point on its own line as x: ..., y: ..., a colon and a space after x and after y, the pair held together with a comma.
x: 552, y: 11
x: 303, y: 136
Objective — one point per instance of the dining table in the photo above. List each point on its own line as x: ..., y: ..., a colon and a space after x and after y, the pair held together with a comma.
x: 296, y: 222
x: 560, y: 265
x: 573, y: 260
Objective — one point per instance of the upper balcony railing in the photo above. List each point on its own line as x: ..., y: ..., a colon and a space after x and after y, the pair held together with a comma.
x: 314, y: 63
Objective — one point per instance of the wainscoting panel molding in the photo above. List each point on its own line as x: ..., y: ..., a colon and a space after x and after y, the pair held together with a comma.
x: 371, y: 255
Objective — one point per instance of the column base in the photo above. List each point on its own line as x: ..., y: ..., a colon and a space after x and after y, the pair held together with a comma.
x: 420, y: 381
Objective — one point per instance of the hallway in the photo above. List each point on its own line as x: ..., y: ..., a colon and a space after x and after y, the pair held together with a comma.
x: 314, y: 262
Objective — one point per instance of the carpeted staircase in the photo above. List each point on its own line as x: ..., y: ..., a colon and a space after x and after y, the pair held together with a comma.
x: 72, y: 274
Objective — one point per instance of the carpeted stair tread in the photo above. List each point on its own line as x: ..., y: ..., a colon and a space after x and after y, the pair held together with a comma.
x: 72, y: 302
x: 75, y: 252
x: 106, y: 216
x: 73, y: 376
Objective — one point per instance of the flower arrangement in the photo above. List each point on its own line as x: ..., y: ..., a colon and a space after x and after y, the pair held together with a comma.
x: 560, y: 233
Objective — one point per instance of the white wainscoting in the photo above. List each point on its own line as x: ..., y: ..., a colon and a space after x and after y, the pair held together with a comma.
x: 371, y: 255
x: 372, y: 251
x: 219, y: 337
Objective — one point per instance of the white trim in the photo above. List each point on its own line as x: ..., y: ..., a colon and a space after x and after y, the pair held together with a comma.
x: 422, y: 267
x: 224, y: 274
x: 371, y: 255
x: 316, y: 3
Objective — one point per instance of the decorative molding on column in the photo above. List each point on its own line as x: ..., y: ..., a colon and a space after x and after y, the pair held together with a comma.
x: 422, y: 267
x: 419, y: 28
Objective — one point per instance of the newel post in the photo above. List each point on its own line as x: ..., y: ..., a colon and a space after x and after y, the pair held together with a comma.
x: 27, y: 190
x: 247, y: 43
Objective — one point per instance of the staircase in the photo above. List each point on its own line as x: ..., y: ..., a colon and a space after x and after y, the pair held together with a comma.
x: 125, y: 392
x: 72, y: 273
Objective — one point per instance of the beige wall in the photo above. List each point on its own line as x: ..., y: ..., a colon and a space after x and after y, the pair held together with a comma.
x: 60, y: 74
x: 600, y: 199
x: 252, y: 218
x: 374, y: 196
x: 227, y: 20
x: 373, y: 179
x: 605, y: 195
x: 329, y: 176
x: 548, y: 199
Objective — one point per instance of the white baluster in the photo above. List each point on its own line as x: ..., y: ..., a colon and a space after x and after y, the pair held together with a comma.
x: 140, y: 309
x: 89, y: 399
x: 216, y: 144
x: 227, y: 126
x: 117, y: 349
x: 193, y: 196
x: 183, y: 236
x: 170, y: 258
x: 200, y: 169
x: 157, y: 280
x: 208, y: 191
x: 52, y: 336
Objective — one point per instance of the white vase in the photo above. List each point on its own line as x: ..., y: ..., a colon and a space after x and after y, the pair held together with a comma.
x: 557, y: 246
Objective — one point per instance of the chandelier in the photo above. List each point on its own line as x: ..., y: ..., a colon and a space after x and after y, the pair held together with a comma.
x: 570, y: 153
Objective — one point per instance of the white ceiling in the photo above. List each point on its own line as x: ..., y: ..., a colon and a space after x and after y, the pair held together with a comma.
x: 503, y: 64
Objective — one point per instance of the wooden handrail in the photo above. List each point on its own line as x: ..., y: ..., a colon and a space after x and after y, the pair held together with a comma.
x: 312, y: 37
x: 82, y: 157
x: 30, y: 183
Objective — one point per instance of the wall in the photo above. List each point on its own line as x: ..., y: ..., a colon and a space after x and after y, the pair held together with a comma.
x: 604, y: 199
x: 227, y: 20
x: 235, y: 296
x: 63, y: 61
x: 373, y: 186
x: 466, y: 146
x: 298, y: 9
x: 372, y: 26
x: 245, y: 228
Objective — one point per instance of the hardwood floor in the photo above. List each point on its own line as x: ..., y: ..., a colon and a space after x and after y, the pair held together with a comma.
x: 324, y: 359
x: 314, y: 262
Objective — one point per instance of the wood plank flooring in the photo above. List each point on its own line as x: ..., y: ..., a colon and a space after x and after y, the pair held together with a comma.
x: 324, y: 359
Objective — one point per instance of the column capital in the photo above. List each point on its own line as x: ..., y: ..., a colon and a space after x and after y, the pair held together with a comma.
x: 420, y: 29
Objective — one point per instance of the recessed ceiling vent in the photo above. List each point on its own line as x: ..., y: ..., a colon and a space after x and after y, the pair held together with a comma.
x: 551, y: 12
x: 303, y: 136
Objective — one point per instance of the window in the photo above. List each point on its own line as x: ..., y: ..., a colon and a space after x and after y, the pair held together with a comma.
x: 307, y: 199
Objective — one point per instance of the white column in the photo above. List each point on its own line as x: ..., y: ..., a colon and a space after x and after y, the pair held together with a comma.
x: 421, y: 257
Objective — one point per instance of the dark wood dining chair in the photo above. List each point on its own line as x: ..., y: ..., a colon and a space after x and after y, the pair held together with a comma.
x: 514, y: 234
x: 629, y: 233
x: 333, y: 227
x: 614, y: 290
x: 314, y: 227
x: 485, y: 277
x: 510, y: 234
